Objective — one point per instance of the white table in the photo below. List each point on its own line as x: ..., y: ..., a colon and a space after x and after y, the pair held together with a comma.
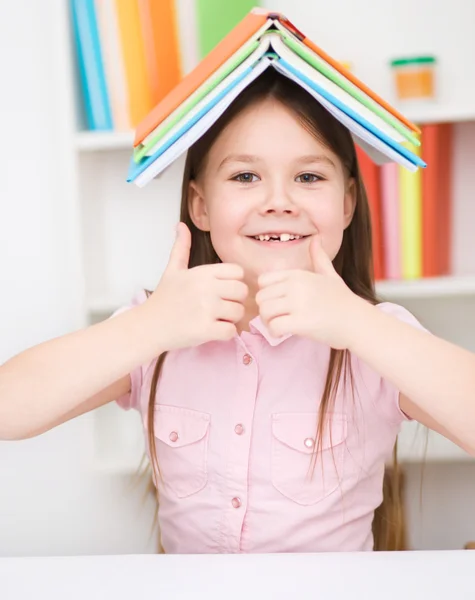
x: 383, y: 576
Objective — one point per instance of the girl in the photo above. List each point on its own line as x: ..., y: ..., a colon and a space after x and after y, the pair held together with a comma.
x: 280, y: 383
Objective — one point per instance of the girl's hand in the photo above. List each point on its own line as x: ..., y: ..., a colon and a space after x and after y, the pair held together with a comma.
x: 194, y: 306
x: 317, y: 304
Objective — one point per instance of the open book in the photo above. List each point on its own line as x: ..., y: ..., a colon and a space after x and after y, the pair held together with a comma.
x: 261, y: 41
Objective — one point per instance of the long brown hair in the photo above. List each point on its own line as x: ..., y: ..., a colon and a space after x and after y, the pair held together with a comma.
x: 353, y: 261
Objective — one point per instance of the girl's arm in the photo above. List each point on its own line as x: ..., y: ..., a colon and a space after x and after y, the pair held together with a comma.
x: 67, y: 376
x: 436, y: 379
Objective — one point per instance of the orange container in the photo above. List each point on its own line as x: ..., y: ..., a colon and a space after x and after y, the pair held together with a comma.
x: 414, y: 77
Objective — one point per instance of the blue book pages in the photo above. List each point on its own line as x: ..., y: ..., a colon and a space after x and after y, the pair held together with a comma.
x: 399, y: 148
x: 91, y: 67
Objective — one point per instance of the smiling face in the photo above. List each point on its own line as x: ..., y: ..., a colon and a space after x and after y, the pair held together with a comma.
x: 267, y: 185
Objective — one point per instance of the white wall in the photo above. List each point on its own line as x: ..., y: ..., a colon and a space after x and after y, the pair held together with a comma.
x: 53, y: 498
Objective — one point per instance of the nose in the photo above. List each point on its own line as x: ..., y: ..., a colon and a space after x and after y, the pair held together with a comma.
x: 278, y: 202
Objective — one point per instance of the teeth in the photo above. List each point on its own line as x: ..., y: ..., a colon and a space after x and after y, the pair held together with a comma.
x: 283, y: 237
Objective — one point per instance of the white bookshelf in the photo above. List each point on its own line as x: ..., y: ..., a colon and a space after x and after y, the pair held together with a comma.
x: 123, y: 233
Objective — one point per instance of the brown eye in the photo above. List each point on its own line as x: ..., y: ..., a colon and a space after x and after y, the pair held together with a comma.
x: 308, y: 178
x: 246, y: 178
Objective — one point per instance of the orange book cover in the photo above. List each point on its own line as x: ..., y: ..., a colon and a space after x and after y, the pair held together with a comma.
x: 436, y: 199
x: 138, y: 87
x: 162, y: 52
x: 445, y: 198
x: 370, y: 173
x: 251, y: 23
x: 217, y: 57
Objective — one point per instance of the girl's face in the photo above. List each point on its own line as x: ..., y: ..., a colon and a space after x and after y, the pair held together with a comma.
x: 267, y: 186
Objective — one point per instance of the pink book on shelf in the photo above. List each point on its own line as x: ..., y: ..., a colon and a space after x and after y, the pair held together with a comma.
x: 113, y: 62
x: 391, y: 227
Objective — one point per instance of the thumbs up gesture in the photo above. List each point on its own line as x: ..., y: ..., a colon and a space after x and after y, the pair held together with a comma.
x: 193, y: 306
x: 316, y: 304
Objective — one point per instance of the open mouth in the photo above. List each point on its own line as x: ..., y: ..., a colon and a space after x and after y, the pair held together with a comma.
x: 278, y: 238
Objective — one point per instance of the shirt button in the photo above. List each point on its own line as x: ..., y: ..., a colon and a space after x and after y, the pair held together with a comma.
x: 247, y: 359
x: 239, y: 429
x: 236, y: 502
x: 173, y: 436
x: 309, y: 443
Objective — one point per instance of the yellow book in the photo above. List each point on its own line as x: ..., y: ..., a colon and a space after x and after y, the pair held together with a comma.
x: 133, y: 51
x: 410, y: 206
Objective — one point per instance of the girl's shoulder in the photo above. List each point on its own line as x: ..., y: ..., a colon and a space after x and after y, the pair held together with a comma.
x: 401, y: 313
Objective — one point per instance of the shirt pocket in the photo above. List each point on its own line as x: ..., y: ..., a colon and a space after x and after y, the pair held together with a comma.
x: 182, y: 437
x: 296, y: 473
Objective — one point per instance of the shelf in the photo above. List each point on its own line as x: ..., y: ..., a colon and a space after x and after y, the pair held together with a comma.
x: 437, y: 113
x: 431, y: 287
x: 97, y: 141
x: 437, y: 287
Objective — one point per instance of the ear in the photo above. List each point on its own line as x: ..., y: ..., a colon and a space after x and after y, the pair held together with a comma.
x: 349, y: 203
x: 197, y: 206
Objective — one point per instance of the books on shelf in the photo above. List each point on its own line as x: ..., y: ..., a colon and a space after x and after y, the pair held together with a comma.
x: 128, y: 55
x: 411, y: 212
x: 131, y: 53
x: 264, y: 40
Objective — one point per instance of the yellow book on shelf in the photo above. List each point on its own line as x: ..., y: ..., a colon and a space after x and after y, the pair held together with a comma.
x: 410, y: 206
x: 133, y: 51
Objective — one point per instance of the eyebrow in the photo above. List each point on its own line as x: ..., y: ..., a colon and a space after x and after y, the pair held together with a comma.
x: 250, y: 158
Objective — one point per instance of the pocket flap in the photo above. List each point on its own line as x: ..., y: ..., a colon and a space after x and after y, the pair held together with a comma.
x: 298, y: 430
x: 177, y: 427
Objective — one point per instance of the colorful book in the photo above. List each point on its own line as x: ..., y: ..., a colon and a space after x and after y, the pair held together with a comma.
x: 138, y: 85
x: 215, y: 21
x: 265, y: 40
x: 410, y: 203
x: 113, y: 63
x: 162, y: 53
x: 437, y: 199
x: 91, y: 66
x: 391, y: 218
x: 249, y: 29
x: 370, y: 174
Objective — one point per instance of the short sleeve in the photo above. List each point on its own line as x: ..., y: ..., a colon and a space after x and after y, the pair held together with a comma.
x: 132, y: 399
x: 388, y: 401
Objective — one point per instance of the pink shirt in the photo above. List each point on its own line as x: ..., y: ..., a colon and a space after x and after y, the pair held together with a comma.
x: 235, y: 429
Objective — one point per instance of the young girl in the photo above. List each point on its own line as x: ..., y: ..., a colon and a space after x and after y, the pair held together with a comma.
x: 280, y: 383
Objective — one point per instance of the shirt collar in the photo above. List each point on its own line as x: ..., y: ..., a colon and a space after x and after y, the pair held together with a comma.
x: 256, y: 325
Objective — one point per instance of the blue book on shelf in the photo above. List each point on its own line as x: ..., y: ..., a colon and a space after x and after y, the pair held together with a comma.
x: 91, y: 67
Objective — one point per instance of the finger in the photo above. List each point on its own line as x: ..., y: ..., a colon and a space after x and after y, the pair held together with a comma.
x: 277, y: 290
x: 230, y: 289
x: 232, y: 312
x: 320, y: 259
x: 281, y: 326
x: 223, y: 330
x: 224, y: 270
x: 277, y: 307
x: 180, y: 252
x: 272, y: 277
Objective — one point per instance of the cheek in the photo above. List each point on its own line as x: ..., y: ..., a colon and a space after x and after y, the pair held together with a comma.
x: 226, y: 217
x: 328, y: 218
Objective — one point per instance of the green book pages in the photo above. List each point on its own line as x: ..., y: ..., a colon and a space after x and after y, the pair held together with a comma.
x: 320, y: 65
x: 216, y: 18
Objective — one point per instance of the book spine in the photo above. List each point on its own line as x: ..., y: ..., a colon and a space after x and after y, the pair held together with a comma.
x: 91, y: 68
x: 390, y: 217
x: 139, y: 93
x: 410, y: 199
x: 370, y: 174
x: 162, y: 42
x: 113, y: 63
